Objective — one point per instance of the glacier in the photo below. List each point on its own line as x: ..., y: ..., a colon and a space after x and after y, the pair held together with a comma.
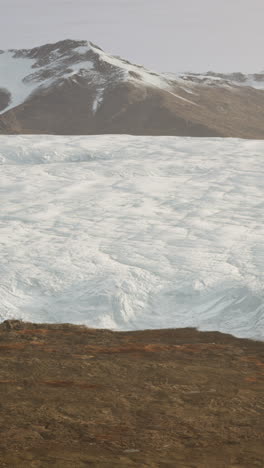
x: 127, y: 232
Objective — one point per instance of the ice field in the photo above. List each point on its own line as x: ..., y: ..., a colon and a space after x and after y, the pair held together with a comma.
x: 128, y: 233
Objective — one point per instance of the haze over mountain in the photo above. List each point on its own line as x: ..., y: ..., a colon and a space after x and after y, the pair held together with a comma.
x: 74, y: 87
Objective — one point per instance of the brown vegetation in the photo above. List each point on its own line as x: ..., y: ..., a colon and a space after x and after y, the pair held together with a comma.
x: 76, y: 397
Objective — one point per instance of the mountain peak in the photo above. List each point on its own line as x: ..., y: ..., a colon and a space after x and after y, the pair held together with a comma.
x: 28, y: 71
x: 78, y: 76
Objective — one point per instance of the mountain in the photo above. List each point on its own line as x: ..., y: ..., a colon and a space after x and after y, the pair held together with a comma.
x: 74, y: 87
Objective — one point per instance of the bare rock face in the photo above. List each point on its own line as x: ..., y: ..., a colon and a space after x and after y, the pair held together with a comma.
x: 74, y: 87
x: 5, y: 99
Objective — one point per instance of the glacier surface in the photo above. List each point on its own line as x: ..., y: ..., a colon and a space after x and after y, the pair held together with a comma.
x: 128, y: 233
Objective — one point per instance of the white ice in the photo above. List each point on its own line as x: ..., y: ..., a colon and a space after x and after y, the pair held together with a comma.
x: 133, y: 232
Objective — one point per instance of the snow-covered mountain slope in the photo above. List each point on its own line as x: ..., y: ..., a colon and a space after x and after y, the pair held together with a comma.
x: 74, y: 87
x: 23, y: 72
x: 12, y: 73
x: 133, y: 232
x: 255, y: 80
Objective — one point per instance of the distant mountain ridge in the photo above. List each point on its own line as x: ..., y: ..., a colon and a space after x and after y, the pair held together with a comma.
x: 74, y: 87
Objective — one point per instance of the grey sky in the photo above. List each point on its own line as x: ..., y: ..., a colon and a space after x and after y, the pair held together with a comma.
x: 166, y: 35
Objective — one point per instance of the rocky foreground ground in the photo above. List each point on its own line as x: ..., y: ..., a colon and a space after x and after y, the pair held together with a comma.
x: 77, y: 397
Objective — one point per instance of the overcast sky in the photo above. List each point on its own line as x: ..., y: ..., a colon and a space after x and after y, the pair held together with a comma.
x: 166, y: 35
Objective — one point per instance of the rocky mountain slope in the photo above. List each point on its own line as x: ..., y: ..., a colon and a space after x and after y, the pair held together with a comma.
x: 74, y: 87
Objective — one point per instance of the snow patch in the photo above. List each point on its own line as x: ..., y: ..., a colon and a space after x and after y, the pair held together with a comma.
x: 145, y: 76
x: 12, y: 72
x: 98, y: 100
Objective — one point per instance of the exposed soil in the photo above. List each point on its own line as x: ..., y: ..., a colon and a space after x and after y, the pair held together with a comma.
x: 78, y: 397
